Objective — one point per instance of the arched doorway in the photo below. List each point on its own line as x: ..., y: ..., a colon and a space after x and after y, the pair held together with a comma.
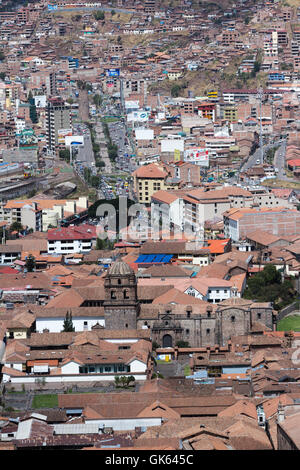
x: 167, y: 341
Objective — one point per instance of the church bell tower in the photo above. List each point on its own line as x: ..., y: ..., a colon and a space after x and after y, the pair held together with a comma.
x: 121, y: 305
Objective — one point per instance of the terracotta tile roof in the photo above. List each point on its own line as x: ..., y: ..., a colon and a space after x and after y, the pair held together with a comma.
x: 168, y: 270
x: 178, y: 297
x: 153, y: 170
x: 165, y: 196
x: 271, y: 406
x: 263, y: 238
x: 80, y: 232
x: 291, y: 427
x: 241, y: 407
x: 158, y: 409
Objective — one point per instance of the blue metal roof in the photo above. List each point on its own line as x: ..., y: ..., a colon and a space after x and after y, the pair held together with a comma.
x: 154, y: 258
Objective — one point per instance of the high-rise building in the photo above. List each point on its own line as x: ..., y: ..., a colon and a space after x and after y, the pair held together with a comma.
x: 57, y: 117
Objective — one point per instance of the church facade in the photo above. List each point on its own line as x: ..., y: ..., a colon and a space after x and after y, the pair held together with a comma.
x: 199, y: 325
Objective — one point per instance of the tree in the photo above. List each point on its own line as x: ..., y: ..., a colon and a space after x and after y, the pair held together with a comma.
x: 64, y: 155
x: 87, y: 174
x: 32, y: 110
x: 113, y: 12
x: 2, y: 76
x: 97, y: 99
x: 268, y: 286
x: 175, y: 90
x: 99, y: 15
x: 68, y: 323
x: 16, y: 227
x: 30, y: 263
x: 2, y: 56
x: 124, y: 381
x: 105, y: 244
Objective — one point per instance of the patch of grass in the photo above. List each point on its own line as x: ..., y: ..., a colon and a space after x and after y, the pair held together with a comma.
x: 45, y: 401
x: 291, y: 323
x: 281, y: 184
x: 187, y: 370
x: 160, y: 361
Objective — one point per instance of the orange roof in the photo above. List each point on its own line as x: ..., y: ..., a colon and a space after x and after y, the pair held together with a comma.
x: 153, y: 170
x: 217, y: 246
x: 165, y: 196
x: 50, y: 362
x: 236, y: 214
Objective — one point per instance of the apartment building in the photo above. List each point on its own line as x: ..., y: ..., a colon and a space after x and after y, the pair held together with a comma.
x: 48, y: 212
x: 271, y: 44
x: 69, y: 240
x: 25, y: 212
x: 151, y: 178
x: 58, y: 116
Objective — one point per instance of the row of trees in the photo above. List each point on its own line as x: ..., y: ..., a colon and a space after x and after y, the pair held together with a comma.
x: 112, y: 148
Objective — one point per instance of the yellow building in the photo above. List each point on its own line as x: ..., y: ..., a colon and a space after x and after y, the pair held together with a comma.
x: 148, y: 179
x: 20, y: 326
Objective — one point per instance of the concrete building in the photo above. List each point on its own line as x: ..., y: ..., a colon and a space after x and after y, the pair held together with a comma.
x: 25, y: 212
x: 57, y: 117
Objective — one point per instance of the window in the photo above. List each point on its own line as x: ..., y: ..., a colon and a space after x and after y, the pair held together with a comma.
x: 125, y: 294
x: 232, y: 319
x: 207, y: 331
x: 259, y: 316
x: 113, y: 294
x: 107, y: 369
x: 187, y: 331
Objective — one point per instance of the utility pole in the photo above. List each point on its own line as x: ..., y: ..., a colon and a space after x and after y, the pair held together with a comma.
x: 260, y: 95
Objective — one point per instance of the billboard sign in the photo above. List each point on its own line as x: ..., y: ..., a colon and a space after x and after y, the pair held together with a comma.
x: 113, y: 72
x: 199, y: 156
x: 138, y: 116
x: 144, y: 134
x: 74, y: 140
x: 61, y: 135
x: 169, y: 145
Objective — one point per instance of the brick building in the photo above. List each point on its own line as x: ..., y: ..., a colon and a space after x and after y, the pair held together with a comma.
x: 280, y: 221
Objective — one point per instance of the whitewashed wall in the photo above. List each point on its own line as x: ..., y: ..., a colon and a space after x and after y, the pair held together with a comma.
x: 69, y: 378
x: 56, y: 325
